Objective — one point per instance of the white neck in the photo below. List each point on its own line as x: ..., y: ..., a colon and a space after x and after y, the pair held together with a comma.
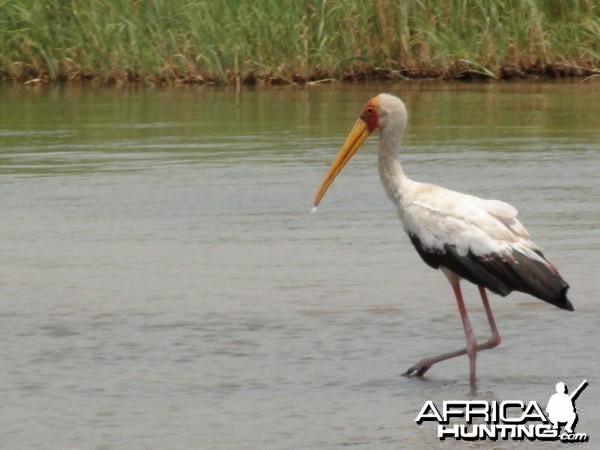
x: 391, y: 174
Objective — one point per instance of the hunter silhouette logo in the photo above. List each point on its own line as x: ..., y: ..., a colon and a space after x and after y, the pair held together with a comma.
x: 561, y: 407
x: 509, y: 419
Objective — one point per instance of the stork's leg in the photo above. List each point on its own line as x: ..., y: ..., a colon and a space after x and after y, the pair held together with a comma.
x: 425, y: 364
x: 471, y: 342
x: 494, y: 339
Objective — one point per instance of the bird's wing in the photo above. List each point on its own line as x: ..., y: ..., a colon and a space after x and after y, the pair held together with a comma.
x: 481, y: 241
x: 440, y: 217
x: 505, y: 213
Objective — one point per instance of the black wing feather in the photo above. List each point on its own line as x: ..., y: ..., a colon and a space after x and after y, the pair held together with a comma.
x: 501, y: 275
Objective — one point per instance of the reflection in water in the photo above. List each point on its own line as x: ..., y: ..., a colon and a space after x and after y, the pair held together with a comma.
x: 164, y: 285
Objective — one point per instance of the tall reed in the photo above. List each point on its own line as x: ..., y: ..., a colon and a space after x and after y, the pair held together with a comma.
x: 227, y: 41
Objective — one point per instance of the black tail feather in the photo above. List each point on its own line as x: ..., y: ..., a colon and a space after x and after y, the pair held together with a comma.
x: 501, y: 274
x: 543, y: 280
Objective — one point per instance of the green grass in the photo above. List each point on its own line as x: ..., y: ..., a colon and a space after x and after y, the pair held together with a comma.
x: 262, y: 41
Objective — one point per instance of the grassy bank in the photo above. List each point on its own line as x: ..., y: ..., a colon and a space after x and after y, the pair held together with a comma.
x: 262, y: 41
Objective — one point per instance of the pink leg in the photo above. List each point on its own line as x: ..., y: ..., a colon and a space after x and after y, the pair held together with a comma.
x: 425, y: 364
x: 495, y: 339
x: 471, y: 342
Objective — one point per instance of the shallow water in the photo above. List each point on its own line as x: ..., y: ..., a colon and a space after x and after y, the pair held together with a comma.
x: 165, y: 286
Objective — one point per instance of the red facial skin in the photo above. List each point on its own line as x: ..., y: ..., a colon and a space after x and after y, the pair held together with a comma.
x: 369, y: 115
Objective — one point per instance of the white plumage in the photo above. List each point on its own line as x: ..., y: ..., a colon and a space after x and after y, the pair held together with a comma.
x: 467, y: 237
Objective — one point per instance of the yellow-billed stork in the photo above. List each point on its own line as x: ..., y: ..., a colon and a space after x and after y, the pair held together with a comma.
x: 465, y: 236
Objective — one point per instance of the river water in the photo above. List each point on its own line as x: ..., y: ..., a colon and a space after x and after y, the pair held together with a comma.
x: 164, y: 285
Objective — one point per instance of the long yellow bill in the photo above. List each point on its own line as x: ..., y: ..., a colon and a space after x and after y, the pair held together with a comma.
x: 355, y: 139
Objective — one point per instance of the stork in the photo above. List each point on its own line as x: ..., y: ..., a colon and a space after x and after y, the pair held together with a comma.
x: 464, y: 236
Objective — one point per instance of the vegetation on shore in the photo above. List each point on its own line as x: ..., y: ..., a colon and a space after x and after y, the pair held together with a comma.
x: 281, y: 41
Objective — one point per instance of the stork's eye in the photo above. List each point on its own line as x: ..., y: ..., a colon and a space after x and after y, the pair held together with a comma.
x: 369, y: 115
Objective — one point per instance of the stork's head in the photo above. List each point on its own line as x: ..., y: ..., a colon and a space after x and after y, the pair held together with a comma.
x: 385, y: 112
